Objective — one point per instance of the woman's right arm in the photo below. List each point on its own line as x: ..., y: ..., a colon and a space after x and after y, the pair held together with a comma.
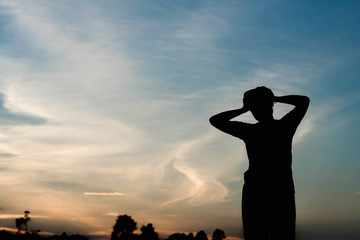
x: 222, y: 121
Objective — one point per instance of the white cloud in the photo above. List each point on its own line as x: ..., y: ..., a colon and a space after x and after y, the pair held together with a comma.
x: 84, y: 90
x: 196, y: 187
x: 100, y: 119
x: 115, y: 123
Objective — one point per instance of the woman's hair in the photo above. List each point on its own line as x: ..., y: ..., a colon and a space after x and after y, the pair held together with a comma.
x: 258, y: 96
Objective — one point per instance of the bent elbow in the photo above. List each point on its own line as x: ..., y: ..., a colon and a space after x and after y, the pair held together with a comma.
x: 215, y: 122
x: 212, y: 121
x: 306, y: 100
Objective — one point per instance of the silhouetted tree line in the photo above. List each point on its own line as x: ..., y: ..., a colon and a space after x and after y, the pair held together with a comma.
x: 4, y: 235
x: 123, y: 229
x: 24, y: 234
x: 125, y: 226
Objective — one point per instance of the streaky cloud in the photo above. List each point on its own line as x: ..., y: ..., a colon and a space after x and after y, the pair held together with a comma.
x: 104, y: 194
x: 13, y: 216
x: 7, y: 117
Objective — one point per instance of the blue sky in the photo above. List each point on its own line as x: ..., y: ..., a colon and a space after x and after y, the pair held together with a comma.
x: 104, y: 111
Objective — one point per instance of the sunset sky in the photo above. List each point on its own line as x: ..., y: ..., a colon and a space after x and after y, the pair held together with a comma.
x: 104, y: 109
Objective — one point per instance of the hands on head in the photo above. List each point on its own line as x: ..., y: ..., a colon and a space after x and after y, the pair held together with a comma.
x: 258, y: 97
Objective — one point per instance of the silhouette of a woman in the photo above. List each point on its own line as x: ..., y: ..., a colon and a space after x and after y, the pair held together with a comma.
x: 268, y: 202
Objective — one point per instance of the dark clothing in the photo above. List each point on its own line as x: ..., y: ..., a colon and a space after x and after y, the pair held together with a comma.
x: 268, y: 148
x: 269, y: 152
x: 268, y: 215
x: 268, y: 204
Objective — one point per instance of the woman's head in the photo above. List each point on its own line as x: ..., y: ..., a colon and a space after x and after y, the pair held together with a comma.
x: 260, y: 101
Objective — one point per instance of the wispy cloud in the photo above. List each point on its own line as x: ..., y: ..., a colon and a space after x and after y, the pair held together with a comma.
x: 104, y: 194
x: 119, y: 99
x: 13, y: 216
x: 202, y: 188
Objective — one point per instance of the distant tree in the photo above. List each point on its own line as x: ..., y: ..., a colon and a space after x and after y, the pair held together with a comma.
x: 218, y: 235
x: 21, y: 223
x: 148, y: 233
x: 77, y: 237
x: 190, y: 236
x: 64, y: 236
x: 201, y: 235
x: 4, y: 235
x: 178, y: 236
x: 57, y: 237
x: 124, y: 228
x: 30, y: 236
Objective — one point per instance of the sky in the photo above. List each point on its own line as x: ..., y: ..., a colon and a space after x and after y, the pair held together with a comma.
x: 104, y: 109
